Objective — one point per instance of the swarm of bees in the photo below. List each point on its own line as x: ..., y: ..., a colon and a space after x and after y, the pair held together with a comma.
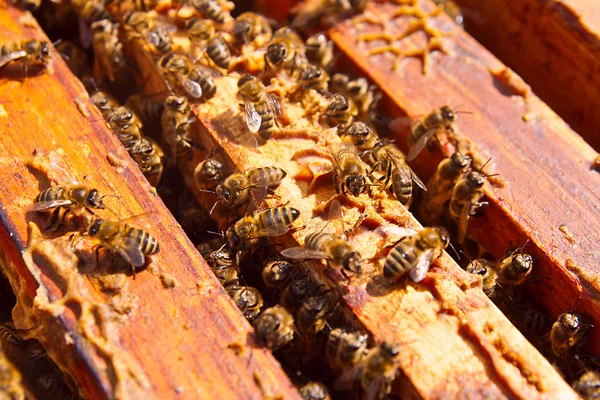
x: 290, y: 311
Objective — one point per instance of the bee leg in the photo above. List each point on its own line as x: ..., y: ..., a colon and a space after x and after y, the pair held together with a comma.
x: 98, y: 255
x: 23, y: 70
x: 346, y: 277
x: 53, y: 220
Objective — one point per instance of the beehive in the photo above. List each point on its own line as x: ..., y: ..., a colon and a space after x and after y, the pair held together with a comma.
x: 173, y: 332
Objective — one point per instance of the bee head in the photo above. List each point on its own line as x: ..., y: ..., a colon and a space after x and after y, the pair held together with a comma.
x: 241, y: 29
x: 522, y: 263
x: 224, y: 195
x: 245, y: 79
x: 353, y: 262
x: 176, y: 103
x: 356, y: 184
x: 389, y: 350
x: 460, y: 160
x: 476, y: 179
x: 476, y: 268
x: 44, y: 51
x: 233, y: 239
x: 94, y: 200
x: 277, y: 53
x: 448, y: 113
x: 95, y: 227
x: 443, y: 236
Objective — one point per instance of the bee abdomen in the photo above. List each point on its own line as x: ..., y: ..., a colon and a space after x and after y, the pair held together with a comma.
x: 317, y: 241
x: 218, y: 51
x: 147, y: 242
x: 401, y: 187
x: 213, y: 11
x: 279, y: 216
x: 273, y: 175
x: 400, y: 260
x: 52, y: 193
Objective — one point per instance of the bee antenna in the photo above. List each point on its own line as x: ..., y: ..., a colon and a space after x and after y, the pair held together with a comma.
x: 207, y: 191
x: 218, y: 234
x: 454, y: 250
x: 483, y: 166
x: 59, y: 41
x: 466, y: 255
x: 213, y: 207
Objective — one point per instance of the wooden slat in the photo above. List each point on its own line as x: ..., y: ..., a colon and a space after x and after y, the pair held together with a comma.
x: 554, y: 46
x: 151, y: 339
x: 550, y: 196
x: 455, y: 342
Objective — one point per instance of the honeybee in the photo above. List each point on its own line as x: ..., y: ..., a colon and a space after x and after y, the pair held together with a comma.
x: 247, y: 298
x: 72, y: 198
x: 453, y: 10
x: 270, y: 222
x: 108, y: 50
x: 212, y: 9
x: 314, y: 391
x: 344, y: 349
x: 200, y: 31
x: 148, y: 156
x: 239, y: 188
x: 588, y: 385
x: 260, y: 108
x: 179, y: 71
x: 139, y: 25
x: 105, y: 102
x: 249, y: 26
x: 423, y: 130
x: 176, y: 121
x: 89, y: 12
x: 277, y: 272
x: 274, y: 327
x: 350, y: 172
x: 379, y: 370
x: 149, y: 110
x: 319, y: 50
x: 331, y: 247
x: 77, y: 61
x: 489, y: 275
x: 30, y: 52
x: 313, y: 77
x: 296, y: 293
x: 399, y: 177
x: 569, y: 330
x: 8, y: 334
x: 133, y: 244
x: 126, y: 126
x: 414, y: 252
x: 324, y: 13
x: 465, y: 201
x: 28, y: 5
x: 208, y: 172
x: 338, y: 112
x: 362, y: 96
x: 222, y: 263
x: 359, y: 134
x: 312, y: 314
x: 285, y: 51
x: 513, y: 269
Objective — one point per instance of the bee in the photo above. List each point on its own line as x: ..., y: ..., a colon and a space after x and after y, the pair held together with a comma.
x: 514, y: 267
x: 28, y: 5
x: 319, y: 50
x: 247, y: 298
x: 212, y: 9
x: 414, y: 252
x: 148, y: 156
x: 312, y: 314
x: 89, y: 12
x: 77, y: 61
x: 399, y: 177
x: 285, y: 51
x: 179, y: 71
x: 223, y: 265
x: 260, y: 108
x: 324, y: 13
x: 30, y: 52
x: 359, y: 134
x: 149, y: 110
x: 362, y: 96
x: 277, y: 272
x: 338, y: 112
x: 489, y: 275
x: 588, y: 385
x: 176, y: 121
x: 453, y: 10
x: 126, y: 126
x: 248, y: 26
x: 200, y: 30
x: 270, y: 222
x: 350, y: 173
x: 208, y: 172
x: 239, y: 188
x: 133, y: 244
x: 379, y: 370
x: 8, y: 334
x: 423, y: 130
x: 108, y: 50
x: 72, y: 198
x: 331, y: 247
x: 314, y: 391
x: 139, y: 25
x: 274, y: 327
x: 105, y: 102
x: 344, y: 349
x: 313, y: 77
x: 296, y: 293
x: 465, y: 201
x: 569, y: 330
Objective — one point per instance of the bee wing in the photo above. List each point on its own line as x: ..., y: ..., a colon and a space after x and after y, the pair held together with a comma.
x: 253, y: 118
x: 395, y: 231
x: 373, y: 392
x: 406, y: 171
x: 302, y: 253
x: 129, y: 249
x: 15, y: 55
x: 463, y: 221
x: 420, y: 144
x: 400, y: 124
x: 46, y: 205
x: 144, y: 220
x: 193, y: 88
x: 417, y: 274
x: 347, y: 379
x: 274, y: 230
x: 335, y: 215
x: 275, y: 105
